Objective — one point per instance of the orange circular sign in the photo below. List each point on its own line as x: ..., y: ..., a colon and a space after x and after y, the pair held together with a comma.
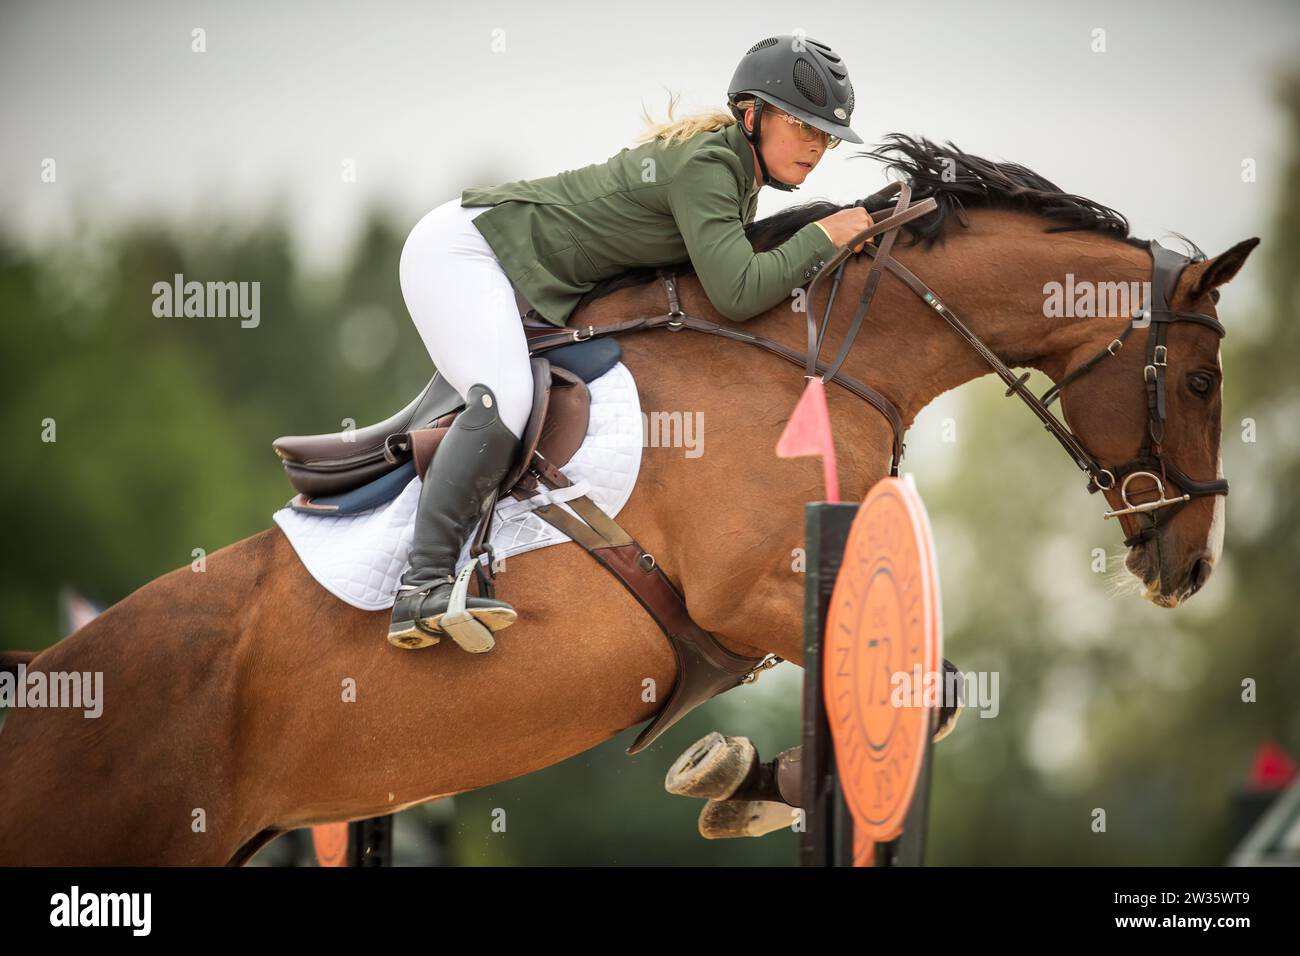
x: 330, y: 841
x: 882, y: 654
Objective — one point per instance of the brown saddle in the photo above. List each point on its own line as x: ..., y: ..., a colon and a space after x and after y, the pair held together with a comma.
x: 331, y: 464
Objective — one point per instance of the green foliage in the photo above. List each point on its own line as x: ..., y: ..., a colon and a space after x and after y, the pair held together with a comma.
x: 163, y: 426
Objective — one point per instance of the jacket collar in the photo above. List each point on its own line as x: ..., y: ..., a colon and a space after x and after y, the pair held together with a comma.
x: 736, y: 140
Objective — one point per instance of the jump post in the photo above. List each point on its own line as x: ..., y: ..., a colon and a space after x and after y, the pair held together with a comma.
x: 828, y: 838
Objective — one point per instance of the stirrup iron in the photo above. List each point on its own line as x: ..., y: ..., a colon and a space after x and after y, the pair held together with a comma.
x: 465, y: 629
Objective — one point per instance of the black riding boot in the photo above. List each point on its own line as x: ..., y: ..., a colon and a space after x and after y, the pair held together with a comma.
x: 460, y: 485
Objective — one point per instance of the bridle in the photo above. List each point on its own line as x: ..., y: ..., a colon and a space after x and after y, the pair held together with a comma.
x: 1149, y: 463
x: 1167, y: 266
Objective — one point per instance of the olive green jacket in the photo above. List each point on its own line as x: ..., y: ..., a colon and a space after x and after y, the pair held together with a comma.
x: 651, y: 205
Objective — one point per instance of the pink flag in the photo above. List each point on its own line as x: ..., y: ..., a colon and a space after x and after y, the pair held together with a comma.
x: 808, y: 432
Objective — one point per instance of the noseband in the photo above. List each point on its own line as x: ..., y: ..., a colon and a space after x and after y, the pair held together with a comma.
x: 1149, y: 463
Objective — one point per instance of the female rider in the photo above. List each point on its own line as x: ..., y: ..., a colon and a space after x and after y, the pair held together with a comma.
x: 685, y: 191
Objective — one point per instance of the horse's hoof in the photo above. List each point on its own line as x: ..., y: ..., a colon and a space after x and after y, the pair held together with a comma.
x: 712, y: 768
x: 724, y: 819
x: 945, y: 720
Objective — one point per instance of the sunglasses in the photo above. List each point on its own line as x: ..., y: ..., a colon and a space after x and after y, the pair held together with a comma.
x: 806, y: 131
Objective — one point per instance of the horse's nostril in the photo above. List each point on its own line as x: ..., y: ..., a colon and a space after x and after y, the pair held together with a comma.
x: 1201, y: 573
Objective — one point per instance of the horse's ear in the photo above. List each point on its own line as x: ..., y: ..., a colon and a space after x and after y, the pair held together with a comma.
x: 1215, y: 272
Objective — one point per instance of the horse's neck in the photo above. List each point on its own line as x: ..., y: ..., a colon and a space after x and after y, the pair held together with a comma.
x: 992, y: 277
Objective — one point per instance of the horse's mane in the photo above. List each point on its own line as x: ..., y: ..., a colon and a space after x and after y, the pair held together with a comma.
x: 957, y: 180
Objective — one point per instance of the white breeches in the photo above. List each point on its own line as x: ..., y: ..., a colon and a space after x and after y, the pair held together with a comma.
x: 464, y: 307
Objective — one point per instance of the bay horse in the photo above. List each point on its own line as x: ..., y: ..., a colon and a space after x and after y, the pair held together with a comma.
x: 245, y: 701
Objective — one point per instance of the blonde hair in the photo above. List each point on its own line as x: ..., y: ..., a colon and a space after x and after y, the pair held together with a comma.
x: 672, y: 130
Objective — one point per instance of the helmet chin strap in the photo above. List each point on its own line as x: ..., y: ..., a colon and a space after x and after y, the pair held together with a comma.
x: 754, y: 139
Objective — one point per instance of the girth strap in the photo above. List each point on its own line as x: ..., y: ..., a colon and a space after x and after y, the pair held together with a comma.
x: 704, y: 667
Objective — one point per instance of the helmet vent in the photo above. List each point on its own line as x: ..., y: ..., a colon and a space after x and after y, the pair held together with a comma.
x: 761, y: 45
x: 825, y: 52
x: 807, y: 82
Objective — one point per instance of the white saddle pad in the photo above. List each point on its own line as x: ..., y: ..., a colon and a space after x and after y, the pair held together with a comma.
x: 361, y: 557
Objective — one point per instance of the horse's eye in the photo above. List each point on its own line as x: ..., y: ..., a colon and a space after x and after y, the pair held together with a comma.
x: 1200, y: 383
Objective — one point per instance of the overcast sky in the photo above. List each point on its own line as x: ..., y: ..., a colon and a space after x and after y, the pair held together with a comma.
x: 428, y: 98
